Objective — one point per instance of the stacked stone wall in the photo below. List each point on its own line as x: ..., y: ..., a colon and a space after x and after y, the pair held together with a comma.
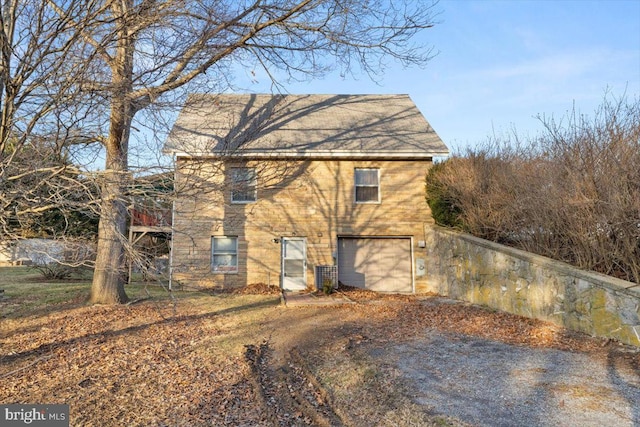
x: 482, y: 272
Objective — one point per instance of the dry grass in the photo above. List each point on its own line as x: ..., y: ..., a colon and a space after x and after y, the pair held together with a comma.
x: 144, y: 364
x: 183, y: 361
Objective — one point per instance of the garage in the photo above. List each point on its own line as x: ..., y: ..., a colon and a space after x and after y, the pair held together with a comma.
x: 376, y: 263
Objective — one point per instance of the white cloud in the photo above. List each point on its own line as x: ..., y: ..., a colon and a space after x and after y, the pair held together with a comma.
x: 562, y: 65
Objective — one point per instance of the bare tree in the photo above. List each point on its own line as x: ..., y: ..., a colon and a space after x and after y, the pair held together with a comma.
x: 76, y: 75
x: 39, y: 185
x: 145, y: 54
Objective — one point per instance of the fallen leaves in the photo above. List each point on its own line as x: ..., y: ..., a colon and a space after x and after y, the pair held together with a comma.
x: 142, y: 365
x: 125, y: 364
x: 410, y: 314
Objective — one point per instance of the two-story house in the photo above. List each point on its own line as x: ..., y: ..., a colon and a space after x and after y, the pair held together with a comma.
x: 277, y: 189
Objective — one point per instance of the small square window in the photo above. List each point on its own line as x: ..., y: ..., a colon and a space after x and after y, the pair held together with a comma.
x: 367, y: 185
x: 243, y: 185
x: 224, y: 254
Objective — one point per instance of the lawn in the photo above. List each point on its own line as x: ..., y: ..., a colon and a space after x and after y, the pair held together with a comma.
x: 200, y: 358
x: 27, y: 293
x: 153, y: 362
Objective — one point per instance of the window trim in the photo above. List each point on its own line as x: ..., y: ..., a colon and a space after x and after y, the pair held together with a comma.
x: 254, y: 183
x: 355, y: 187
x: 216, y: 269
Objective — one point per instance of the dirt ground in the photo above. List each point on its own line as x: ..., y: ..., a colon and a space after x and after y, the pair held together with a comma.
x: 245, y: 360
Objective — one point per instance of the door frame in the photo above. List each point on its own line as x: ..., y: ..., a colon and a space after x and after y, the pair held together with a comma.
x: 282, y: 259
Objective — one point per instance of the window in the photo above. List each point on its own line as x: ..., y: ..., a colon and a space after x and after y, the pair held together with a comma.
x: 224, y: 254
x: 367, y: 185
x: 243, y: 185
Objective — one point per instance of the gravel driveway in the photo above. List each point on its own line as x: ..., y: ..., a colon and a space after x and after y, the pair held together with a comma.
x: 489, y: 383
x: 436, y: 361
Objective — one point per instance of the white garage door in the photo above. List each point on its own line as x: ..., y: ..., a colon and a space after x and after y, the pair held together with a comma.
x: 378, y: 264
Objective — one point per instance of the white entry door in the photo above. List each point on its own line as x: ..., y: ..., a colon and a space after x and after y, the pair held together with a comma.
x: 294, y: 264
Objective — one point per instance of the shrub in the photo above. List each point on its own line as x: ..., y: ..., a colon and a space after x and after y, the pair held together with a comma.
x: 327, y: 286
x: 572, y: 194
x: 444, y: 206
x: 55, y: 270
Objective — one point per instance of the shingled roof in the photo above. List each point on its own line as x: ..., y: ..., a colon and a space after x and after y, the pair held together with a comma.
x: 342, y: 126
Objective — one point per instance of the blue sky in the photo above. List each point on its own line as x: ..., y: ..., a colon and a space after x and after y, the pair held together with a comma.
x: 501, y: 63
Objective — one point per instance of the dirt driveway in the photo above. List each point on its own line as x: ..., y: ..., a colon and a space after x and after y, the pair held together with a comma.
x: 434, y: 361
x: 245, y: 360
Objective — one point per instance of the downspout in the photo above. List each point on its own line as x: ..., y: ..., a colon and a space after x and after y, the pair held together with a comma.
x: 173, y: 219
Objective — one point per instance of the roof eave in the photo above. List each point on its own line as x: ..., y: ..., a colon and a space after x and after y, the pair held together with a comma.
x: 324, y: 154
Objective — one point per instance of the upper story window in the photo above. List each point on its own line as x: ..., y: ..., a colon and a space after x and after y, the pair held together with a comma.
x: 243, y: 185
x: 367, y: 183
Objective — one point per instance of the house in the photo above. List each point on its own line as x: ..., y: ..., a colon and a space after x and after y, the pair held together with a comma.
x: 150, y: 215
x: 282, y: 189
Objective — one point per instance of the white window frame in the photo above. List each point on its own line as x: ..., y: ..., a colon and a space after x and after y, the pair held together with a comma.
x: 235, y: 182
x: 224, y: 269
x: 355, y: 186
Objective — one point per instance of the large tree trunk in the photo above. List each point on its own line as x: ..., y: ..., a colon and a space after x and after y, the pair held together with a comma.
x: 109, y: 276
x: 109, y: 273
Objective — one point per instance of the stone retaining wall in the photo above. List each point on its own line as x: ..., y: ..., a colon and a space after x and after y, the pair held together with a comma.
x: 482, y: 272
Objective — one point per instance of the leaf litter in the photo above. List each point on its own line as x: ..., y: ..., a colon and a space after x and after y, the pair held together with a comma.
x: 238, y: 359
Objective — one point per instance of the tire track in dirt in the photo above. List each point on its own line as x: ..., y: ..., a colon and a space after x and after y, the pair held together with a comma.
x: 289, y: 393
